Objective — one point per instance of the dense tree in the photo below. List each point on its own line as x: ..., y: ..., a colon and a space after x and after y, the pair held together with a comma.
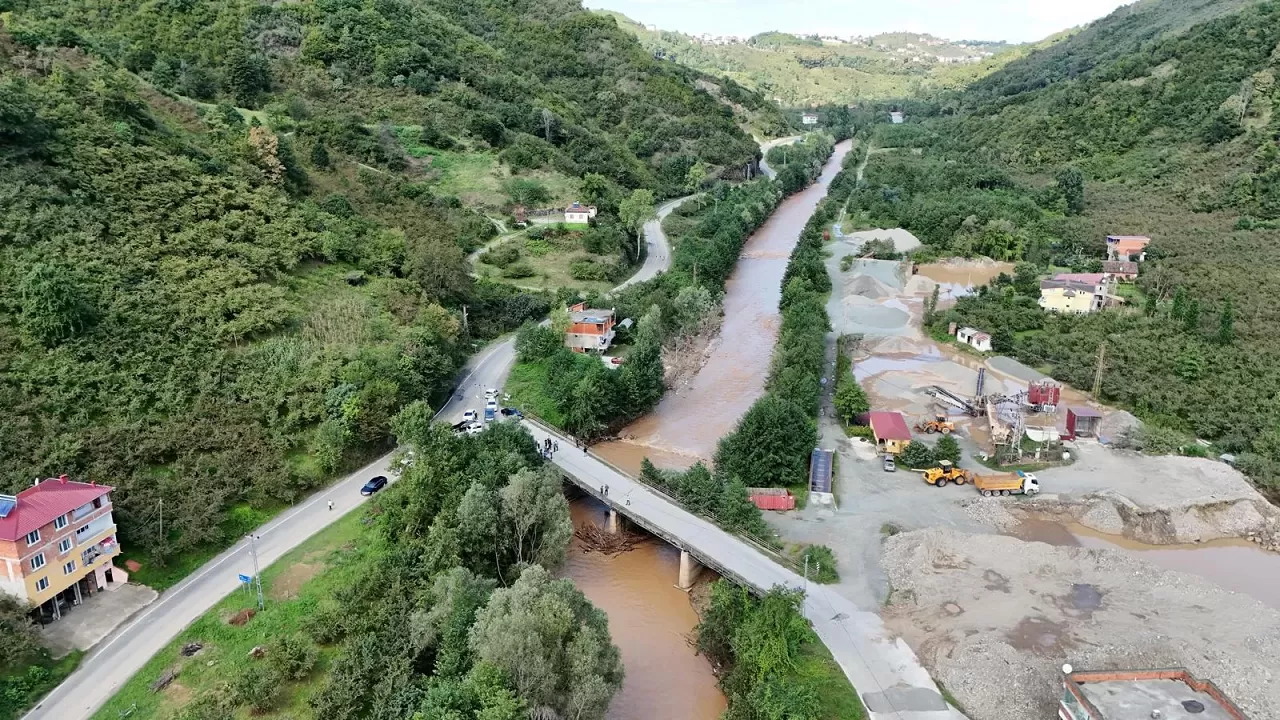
x: 917, y: 456
x: 19, y: 636
x: 769, y: 446
x: 947, y: 449
x: 1069, y: 183
x: 545, y: 636
x: 850, y: 399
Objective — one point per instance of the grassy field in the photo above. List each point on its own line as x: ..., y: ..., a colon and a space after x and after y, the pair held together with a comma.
x: 293, y: 586
x: 525, y: 384
x: 476, y: 177
x: 546, y: 263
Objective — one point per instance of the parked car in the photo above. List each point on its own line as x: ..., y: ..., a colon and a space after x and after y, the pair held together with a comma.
x: 469, y: 416
x: 512, y: 412
x: 889, y: 464
x: 374, y: 485
x: 474, y: 428
x: 491, y: 394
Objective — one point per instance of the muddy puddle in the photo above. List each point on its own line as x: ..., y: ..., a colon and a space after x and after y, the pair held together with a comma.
x: 1235, y: 565
x: 650, y: 621
x: 687, y: 424
x: 959, y: 279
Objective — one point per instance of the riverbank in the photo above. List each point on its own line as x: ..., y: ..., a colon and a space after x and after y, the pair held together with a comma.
x: 686, y: 426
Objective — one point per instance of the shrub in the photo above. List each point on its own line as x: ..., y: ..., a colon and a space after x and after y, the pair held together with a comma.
x: 821, y: 563
x: 257, y: 686
x: 327, y: 625
x: 947, y: 449
x: 518, y: 270
x: 501, y: 256
x: 917, y: 455
x: 292, y: 656
x: 588, y: 269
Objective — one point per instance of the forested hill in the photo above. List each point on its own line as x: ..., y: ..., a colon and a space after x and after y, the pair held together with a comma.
x: 1158, y: 120
x: 233, y: 234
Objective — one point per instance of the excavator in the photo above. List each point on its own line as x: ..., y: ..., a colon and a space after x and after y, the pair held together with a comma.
x: 945, y: 473
x: 939, y: 424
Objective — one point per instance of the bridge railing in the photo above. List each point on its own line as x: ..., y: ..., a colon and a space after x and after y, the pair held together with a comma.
x: 766, y: 545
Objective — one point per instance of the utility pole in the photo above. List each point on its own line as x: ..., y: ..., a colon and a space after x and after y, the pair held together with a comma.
x: 257, y: 576
x: 806, y: 574
x: 464, y: 319
x: 1097, y: 373
x: 162, y: 522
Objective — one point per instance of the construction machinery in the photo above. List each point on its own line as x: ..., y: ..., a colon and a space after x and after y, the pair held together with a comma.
x: 939, y: 424
x: 1012, y: 483
x: 945, y: 473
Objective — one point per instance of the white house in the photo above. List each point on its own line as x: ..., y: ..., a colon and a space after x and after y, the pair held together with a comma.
x: 578, y: 214
x: 809, y: 119
x: 896, y: 117
x: 975, y: 338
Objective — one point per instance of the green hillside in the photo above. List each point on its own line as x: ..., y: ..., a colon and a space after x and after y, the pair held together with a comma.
x: 1158, y: 120
x: 234, y: 234
x: 803, y: 71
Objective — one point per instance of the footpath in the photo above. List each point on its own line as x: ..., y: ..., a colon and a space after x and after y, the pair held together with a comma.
x: 884, y: 670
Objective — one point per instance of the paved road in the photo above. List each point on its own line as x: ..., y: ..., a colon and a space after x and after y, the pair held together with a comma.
x: 659, y: 258
x: 888, y: 676
x: 764, y: 150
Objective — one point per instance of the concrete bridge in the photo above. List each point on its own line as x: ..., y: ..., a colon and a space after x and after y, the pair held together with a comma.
x: 884, y: 670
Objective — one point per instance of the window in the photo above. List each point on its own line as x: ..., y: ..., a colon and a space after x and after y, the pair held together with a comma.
x: 37, y: 562
x: 42, y: 584
x: 69, y: 568
x: 64, y: 546
x: 33, y: 537
x: 60, y: 522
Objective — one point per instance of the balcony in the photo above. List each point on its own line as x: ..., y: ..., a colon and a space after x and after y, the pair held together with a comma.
x: 107, y: 547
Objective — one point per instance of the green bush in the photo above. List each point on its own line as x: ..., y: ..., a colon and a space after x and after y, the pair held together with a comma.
x: 588, y: 269
x: 917, y: 456
x: 947, y: 449
x: 518, y: 270
x: 257, y: 686
x: 821, y: 563
x: 501, y: 256
x: 292, y: 656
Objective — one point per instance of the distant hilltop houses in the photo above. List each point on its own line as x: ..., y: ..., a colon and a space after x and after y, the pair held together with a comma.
x: 910, y: 47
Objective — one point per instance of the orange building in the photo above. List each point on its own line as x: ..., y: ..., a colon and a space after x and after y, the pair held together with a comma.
x: 590, y: 329
x: 57, y: 541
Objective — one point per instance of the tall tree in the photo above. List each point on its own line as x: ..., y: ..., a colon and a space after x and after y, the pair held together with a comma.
x: 636, y: 210
x: 1070, y: 186
x: 1226, y: 324
x: 1191, y: 318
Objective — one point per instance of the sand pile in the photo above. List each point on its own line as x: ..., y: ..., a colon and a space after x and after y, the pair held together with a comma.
x: 868, y: 286
x: 919, y: 285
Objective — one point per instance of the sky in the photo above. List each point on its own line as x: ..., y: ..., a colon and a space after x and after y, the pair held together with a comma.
x: 1010, y: 20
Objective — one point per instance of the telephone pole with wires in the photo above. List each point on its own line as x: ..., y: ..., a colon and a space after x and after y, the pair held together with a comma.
x: 1097, y: 373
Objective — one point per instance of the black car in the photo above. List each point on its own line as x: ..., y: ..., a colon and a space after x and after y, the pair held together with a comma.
x: 374, y: 485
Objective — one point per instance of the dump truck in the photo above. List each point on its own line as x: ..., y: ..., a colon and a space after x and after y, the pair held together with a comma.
x: 945, y: 473
x: 939, y: 424
x: 1013, y: 483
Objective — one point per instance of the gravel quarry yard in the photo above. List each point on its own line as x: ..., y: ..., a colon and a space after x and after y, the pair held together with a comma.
x: 994, y: 618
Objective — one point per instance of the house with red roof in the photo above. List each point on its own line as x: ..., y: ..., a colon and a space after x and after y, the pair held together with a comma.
x: 890, y: 431
x: 57, y: 543
x: 1127, y: 247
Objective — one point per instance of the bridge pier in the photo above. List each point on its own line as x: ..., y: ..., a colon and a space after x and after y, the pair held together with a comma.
x: 689, y: 569
x: 613, y: 525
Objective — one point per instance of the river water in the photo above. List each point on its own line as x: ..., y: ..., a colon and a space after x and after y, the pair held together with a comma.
x: 1236, y: 565
x: 687, y: 424
x: 649, y: 619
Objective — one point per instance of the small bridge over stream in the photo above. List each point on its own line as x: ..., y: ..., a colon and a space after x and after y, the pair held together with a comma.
x: 884, y: 670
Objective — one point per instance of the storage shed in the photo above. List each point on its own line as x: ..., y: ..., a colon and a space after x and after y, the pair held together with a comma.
x: 1083, y: 422
x: 772, y: 498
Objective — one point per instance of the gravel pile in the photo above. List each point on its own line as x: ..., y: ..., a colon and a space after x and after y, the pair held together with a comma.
x: 994, y: 618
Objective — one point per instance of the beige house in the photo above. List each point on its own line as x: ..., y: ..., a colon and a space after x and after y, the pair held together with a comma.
x: 57, y: 542
x: 1074, y: 292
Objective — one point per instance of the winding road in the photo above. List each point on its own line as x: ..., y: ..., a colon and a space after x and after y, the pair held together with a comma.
x: 128, y: 648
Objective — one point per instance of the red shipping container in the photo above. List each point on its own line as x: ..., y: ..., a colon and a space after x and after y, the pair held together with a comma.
x: 772, y: 498
x: 1044, y: 392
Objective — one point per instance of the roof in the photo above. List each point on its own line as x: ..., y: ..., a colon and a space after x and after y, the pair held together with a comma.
x: 591, y: 315
x: 578, y: 207
x: 1120, y: 266
x: 37, y: 506
x: 820, y: 470
x: 1175, y: 693
x: 1093, y: 278
x: 888, y: 426
x: 1083, y: 411
x: 1143, y: 239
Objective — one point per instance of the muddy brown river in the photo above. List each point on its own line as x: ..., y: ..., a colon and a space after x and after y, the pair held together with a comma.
x: 688, y: 423
x: 649, y: 619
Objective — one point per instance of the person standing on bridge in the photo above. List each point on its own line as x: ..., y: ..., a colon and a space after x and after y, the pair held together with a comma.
x: 330, y: 506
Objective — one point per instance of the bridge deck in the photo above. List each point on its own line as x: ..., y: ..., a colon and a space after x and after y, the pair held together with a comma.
x: 884, y: 670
